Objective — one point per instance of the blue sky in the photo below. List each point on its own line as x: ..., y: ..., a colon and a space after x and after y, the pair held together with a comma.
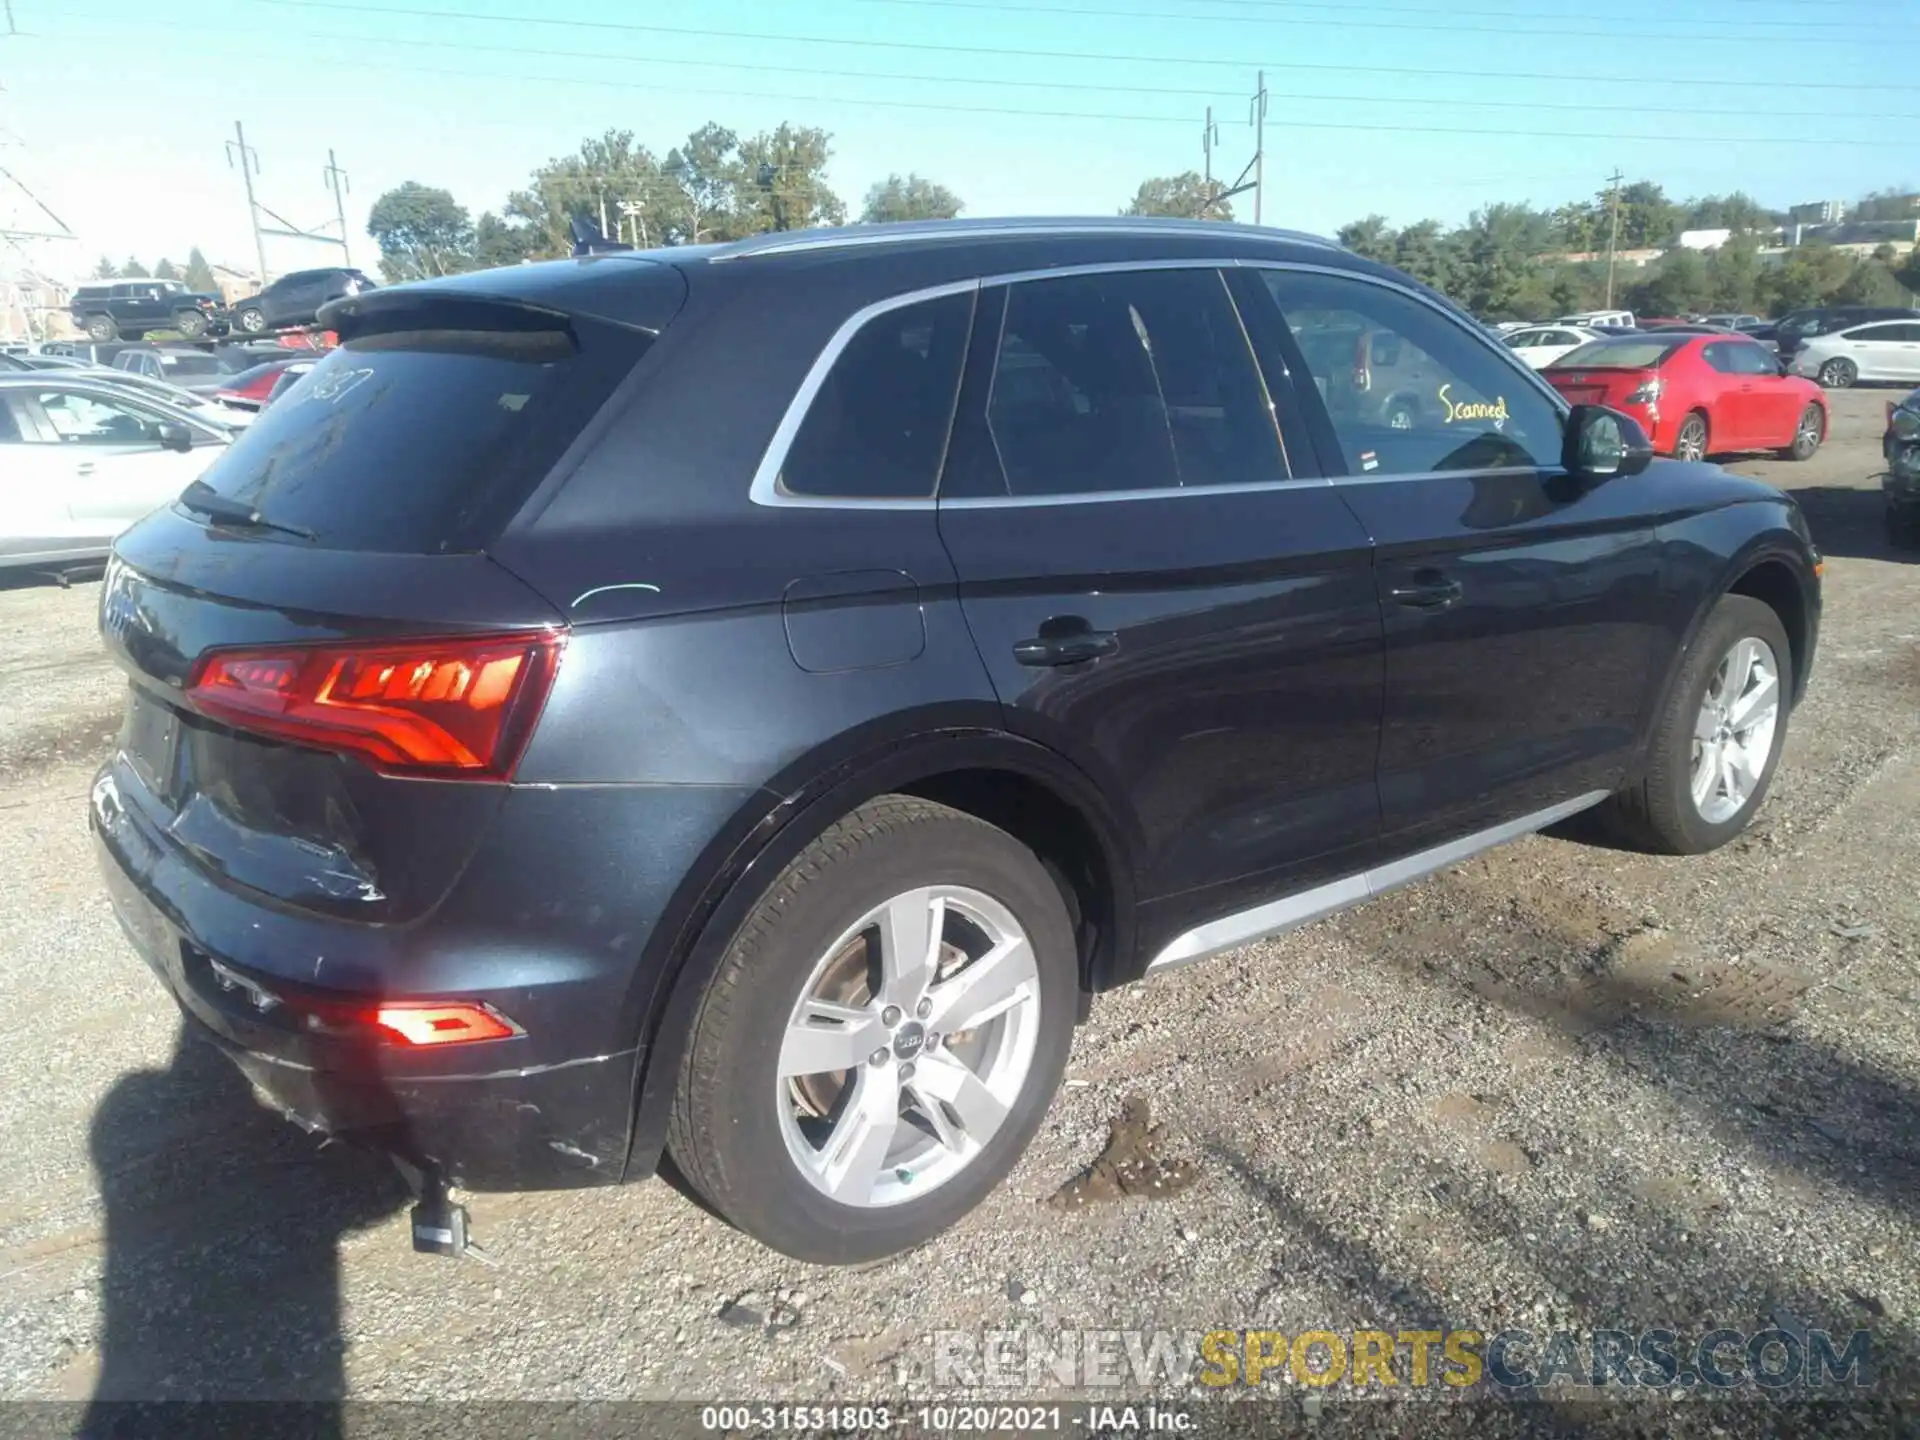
x: 1405, y: 108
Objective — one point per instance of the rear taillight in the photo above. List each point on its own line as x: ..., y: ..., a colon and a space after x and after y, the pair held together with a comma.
x: 374, y: 1022
x: 1646, y: 392
x: 459, y: 707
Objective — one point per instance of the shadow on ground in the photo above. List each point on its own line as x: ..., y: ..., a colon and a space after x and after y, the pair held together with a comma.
x: 223, y: 1227
x: 1849, y: 522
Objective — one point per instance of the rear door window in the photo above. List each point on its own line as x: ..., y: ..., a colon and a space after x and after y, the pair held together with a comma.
x: 427, y: 440
x: 1133, y: 380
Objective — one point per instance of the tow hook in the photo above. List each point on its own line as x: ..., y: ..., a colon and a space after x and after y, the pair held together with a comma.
x: 440, y: 1226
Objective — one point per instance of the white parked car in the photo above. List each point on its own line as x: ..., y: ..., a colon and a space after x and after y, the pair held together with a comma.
x: 1544, y: 344
x: 1599, y: 317
x: 83, y: 459
x: 1877, y: 350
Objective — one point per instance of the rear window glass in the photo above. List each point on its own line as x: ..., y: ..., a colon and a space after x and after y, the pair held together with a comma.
x: 426, y: 441
x: 1618, y: 355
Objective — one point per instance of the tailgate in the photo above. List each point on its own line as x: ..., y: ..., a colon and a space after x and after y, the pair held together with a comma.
x: 305, y: 827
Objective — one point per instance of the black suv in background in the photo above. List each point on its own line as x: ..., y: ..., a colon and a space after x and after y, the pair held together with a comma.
x: 111, y: 309
x: 744, y: 700
x: 295, y: 298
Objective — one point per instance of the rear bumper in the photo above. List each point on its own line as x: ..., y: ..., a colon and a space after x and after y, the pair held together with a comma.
x: 551, y: 1107
x: 491, y: 1124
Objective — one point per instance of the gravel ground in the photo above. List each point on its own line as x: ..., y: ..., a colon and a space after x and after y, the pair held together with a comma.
x: 1562, y: 1086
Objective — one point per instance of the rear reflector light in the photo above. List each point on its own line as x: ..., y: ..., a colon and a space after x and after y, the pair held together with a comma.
x: 459, y: 707
x: 443, y: 1024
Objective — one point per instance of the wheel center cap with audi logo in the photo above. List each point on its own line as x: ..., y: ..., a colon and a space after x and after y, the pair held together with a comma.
x: 909, y: 1040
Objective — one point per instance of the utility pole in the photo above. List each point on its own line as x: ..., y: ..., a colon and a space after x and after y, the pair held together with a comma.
x: 249, y: 162
x: 337, y: 181
x: 1209, y: 137
x: 1613, y: 230
x: 1259, y: 144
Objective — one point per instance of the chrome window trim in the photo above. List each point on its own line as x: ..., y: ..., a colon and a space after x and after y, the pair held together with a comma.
x: 766, y: 488
x: 857, y: 237
x: 1274, y: 917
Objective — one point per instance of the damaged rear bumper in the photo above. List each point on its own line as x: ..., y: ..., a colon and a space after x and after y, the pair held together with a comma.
x: 492, y: 1115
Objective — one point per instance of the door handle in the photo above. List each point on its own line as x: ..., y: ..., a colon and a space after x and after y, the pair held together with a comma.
x: 1069, y: 649
x: 85, y: 467
x: 1428, y: 594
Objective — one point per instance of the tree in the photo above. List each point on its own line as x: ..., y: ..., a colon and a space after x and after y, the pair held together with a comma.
x: 133, y: 270
x: 1808, y: 276
x: 1869, y: 283
x: 421, y: 232
x: 913, y: 197
x: 1185, y: 196
x: 1909, y: 272
x: 610, y: 170
x: 785, y: 181
x: 1733, y: 275
x: 707, y: 172
x: 1423, y: 251
x: 165, y: 270
x: 199, y: 274
x: 1371, y: 238
x: 495, y: 242
x: 1679, y: 283
x: 104, y: 270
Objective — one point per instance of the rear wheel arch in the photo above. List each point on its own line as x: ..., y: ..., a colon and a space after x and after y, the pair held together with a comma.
x: 1016, y: 785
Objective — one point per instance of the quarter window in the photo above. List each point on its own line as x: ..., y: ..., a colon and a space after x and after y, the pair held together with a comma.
x: 1408, y: 390
x: 1749, y: 359
x: 877, y: 427
x: 1126, y: 381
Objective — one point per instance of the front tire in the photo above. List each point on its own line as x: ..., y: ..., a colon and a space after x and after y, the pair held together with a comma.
x: 252, y: 320
x: 882, y: 1038
x: 1839, y: 374
x: 1717, y: 743
x: 1808, y: 432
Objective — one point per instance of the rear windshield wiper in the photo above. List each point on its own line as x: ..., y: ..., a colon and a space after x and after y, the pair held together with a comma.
x: 203, y: 499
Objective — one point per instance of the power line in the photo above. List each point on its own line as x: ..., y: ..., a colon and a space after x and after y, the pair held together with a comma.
x: 1879, y: 42
x: 1293, y: 123
x: 1344, y: 98
x: 1001, y: 52
x: 1623, y: 20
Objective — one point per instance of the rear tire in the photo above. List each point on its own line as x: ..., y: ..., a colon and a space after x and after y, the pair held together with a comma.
x: 191, y: 324
x: 1809, y: 431
x: 821, y: 1163
x: 101, y: 329
x: 1665, y: 812
x: 252, y: 320
x: 1839, y: 374
x: 1691, y: 442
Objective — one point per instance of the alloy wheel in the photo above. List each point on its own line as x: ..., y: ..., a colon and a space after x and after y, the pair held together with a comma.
x: 908, y: 1046
x: 1692, y: 444
x: 1733, y: 733
x: 1806, y: 439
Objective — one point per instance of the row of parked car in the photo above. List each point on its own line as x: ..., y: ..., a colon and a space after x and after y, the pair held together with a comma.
x: 1837, y: 345
x: 95, y: 441
x: 107, y: 310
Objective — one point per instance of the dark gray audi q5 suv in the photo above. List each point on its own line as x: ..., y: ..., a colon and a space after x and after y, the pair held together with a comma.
x: 744, y: 700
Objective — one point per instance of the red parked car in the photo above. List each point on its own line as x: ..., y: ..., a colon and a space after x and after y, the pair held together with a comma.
x: 1696, y: 393
x: 251, y: 389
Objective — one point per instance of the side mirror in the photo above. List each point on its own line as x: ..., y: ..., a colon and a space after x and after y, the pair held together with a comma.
x: 1601, y: 444
x: 175, y: 436
x: 1783, y: 365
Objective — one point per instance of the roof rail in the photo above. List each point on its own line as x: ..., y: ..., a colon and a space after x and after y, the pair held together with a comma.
x: 787, y: 242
